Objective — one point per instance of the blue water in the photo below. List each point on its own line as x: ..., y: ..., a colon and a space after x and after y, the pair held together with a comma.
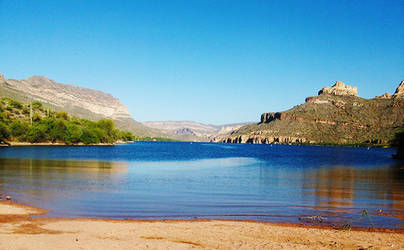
x: 182, y: 180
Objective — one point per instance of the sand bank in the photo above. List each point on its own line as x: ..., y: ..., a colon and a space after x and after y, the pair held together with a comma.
x: 18, y: 231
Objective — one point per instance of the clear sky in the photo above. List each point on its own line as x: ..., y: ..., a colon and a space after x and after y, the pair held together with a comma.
x: 210, y: 61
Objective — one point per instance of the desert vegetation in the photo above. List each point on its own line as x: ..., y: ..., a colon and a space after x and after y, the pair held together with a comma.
x: 35, y: 123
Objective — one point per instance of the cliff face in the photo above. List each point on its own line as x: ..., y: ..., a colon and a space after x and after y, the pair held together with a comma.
x: 77, y: 101
x: 70, y: 97
x: 336, y: 115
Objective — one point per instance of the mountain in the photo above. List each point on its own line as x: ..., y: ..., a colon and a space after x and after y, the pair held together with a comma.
x: 336, y: 116
x: 77, y: 101
x: 195, y: 130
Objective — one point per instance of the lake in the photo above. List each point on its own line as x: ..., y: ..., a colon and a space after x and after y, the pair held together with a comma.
x: 182, y: 180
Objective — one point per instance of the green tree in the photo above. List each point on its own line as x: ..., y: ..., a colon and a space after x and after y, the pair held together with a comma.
x: 4, y: 131
x: 89, y: 136
x: 37, y: 133
x: 18, y: 128
x: 73, y: 134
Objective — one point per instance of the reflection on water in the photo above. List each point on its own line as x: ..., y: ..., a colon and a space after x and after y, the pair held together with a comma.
x: 34, y: 180
x: 177, y: 180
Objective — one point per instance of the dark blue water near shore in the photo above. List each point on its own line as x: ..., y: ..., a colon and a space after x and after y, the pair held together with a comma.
x: 178, y: 180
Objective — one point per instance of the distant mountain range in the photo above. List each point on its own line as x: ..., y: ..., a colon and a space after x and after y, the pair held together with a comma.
x: 336, y: 116
x: 77, y: 101
x: 194, y: 129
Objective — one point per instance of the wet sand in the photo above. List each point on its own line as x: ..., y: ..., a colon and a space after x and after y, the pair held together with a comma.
x: 19, y: 231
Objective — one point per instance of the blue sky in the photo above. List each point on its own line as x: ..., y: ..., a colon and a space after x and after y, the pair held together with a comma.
x: 209, y: 61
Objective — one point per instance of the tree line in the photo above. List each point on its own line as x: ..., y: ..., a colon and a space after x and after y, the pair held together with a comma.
x: 34, y: 123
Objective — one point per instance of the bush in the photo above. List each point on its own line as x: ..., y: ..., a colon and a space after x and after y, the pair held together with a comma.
x: 36, y: 134
x: 4, y: 131
x: 62, y: 115
x: 36, y: 117
x: 73, y: 134
x: 36, y: 105
x: 89, y: 137
x: 18, y: 128
x: 15, y: 104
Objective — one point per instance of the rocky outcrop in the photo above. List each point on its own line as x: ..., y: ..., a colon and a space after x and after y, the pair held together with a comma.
x: 265, y: 140
x: 340, y: 88
x: 337, y: 116
x: 399, y: 91
x: 386, y: 95
x: 269, y: 117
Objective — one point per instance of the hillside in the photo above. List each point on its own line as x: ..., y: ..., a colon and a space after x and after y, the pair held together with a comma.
x: 77, y: 101
x: 336, y: 116
x: 194, y: 130
x: 35, y: 124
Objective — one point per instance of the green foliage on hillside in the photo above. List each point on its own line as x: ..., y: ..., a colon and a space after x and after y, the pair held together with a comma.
x: 333, y: 120
x: 18, y: 123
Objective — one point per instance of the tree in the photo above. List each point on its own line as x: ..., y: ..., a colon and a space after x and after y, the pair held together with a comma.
x: 89, y: 136
x: 73, y: 134
x: 37, y: 133
x: 4, y: 131
x: 18, y: 128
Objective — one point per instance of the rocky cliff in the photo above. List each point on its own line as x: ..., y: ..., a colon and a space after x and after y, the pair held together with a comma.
x: 337, y: 116
x: 77, y: 101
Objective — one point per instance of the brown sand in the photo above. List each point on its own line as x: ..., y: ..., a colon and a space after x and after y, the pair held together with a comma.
x: 18, y: 231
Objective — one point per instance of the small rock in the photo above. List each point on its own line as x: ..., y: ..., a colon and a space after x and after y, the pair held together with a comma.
x: 8, y: 197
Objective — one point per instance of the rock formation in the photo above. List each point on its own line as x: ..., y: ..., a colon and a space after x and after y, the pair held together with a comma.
x: 399, y: 91
x: 386, y: 95
x: 337, y: 115
x: 339, y: 88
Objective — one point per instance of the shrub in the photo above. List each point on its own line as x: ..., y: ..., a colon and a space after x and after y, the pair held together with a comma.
x: 4, y: 131
x: 15, y: 104
x: 62, y: 115
x: 18, y: 128
x: 73, y: 134
x: 36, y: 105
x: 89, y: 136
x: 36, y: 134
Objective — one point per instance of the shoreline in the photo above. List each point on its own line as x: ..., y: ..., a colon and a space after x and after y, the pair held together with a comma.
x: 24, y: 144
x: 19, y: 230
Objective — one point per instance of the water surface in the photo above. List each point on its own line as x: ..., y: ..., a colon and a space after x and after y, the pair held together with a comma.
x: 177, y: 180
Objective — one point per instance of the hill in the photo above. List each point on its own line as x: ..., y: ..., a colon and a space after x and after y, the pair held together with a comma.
x: 336, y: 116
x: 77, y: 101
x: 35, y: 124
x: 193, y: 130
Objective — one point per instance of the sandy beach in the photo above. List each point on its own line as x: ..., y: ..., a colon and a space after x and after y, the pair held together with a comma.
x: 19, y: 231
